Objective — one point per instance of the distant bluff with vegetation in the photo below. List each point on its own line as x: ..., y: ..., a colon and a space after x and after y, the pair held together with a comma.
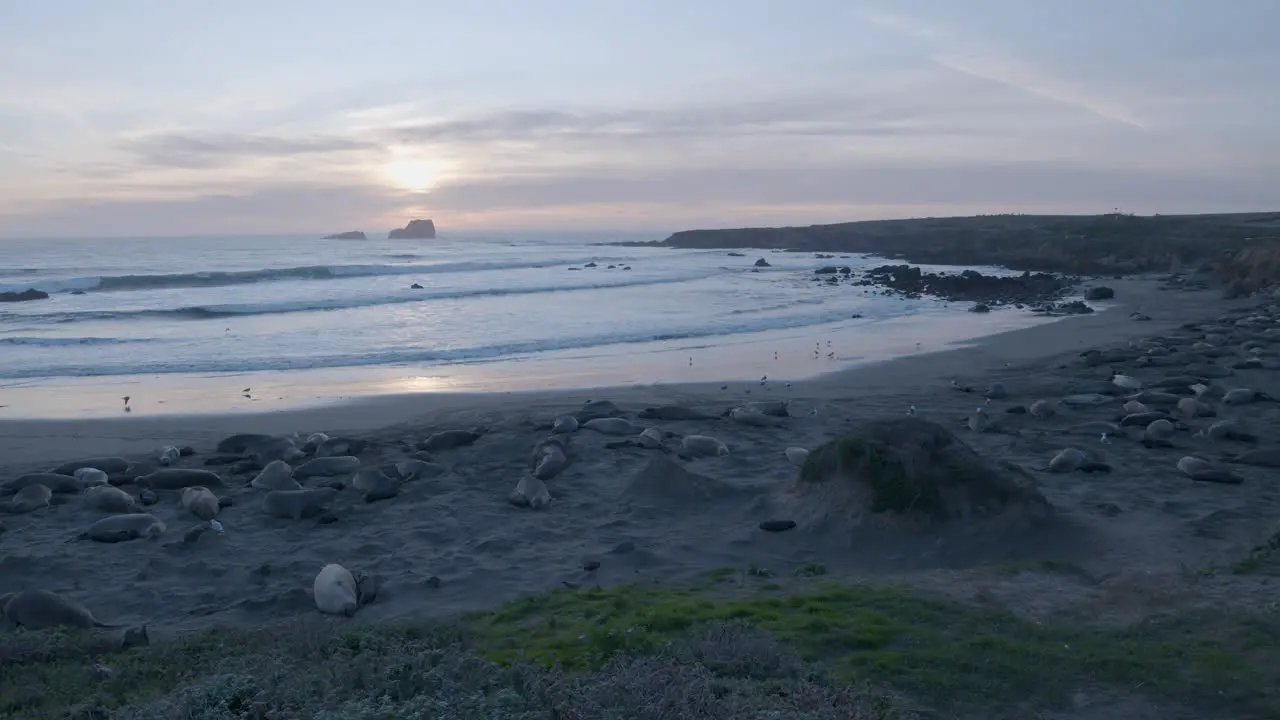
x: 1243, y: 247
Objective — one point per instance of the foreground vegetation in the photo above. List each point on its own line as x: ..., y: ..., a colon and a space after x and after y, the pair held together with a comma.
x: 736, y: 645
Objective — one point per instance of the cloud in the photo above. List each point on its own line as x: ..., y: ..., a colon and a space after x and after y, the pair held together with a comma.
x: 210, y: 150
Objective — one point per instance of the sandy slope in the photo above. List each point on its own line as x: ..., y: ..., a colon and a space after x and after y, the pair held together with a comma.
x: 453, y: 543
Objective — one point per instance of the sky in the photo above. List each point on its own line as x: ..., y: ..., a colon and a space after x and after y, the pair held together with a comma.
x: 180, y: 117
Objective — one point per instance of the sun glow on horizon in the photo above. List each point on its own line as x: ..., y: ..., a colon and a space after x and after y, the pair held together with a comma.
x: 411, y: 172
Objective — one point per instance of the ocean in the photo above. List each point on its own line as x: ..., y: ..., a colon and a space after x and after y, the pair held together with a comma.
x: 490, y: 312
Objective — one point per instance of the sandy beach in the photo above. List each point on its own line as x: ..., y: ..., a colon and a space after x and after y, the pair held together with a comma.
x: 452, y: 542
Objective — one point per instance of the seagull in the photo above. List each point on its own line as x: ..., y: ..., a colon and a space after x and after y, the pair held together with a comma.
x: 690, y: 362
x: 764, y: 379
x: 831, y: 356
x: 775, y: 354
x: 1106, y: 440
x: 788, y: 386
x: 911, y: 411
x: 724, y: 387
x: 813, y: 412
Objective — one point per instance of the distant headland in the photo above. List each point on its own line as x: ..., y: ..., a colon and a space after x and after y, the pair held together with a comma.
x: 1113, y: 243
x: 415, y: 230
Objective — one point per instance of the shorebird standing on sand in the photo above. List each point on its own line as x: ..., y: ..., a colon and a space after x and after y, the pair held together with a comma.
x: 126, y: 404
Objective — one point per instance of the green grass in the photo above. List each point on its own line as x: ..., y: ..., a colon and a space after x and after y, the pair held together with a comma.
x: 845, y: 639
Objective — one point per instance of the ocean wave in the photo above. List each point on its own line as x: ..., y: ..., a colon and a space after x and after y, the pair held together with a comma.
x: 233, y: 363
x: 212, y: 278
x: 65, y: 341
x: 223, y: 310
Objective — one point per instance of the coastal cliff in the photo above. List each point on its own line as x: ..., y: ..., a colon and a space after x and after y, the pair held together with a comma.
x: 349, y: 235
x: 415, y: 230
x: 1097, y: 244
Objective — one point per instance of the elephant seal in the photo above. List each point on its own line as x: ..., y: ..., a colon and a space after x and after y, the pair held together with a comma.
x: 448, y: 440
x: 651, y: 438
x: 91, y: 477
x: 1207, y: 370
x: 703, y: 446
x: 122, y: 528
x: 1042, y: 410
x: 28, y: 499
x: 996, y: 391
x: 282, y: 448
x: 1126, y: 382
x: 530, y: 492
x: 1088, y: 400
x: 241, y: 443
x: 673, y: 413
x: 335, y: 591
x: 593, y: 409
x: 201, y: 502
x: 168, y: 455
x: 1230, y: 430
x: 1261, y: 457
x: 376, y: 485
x: 978, y: 421
x: 313, y: 442
x: 55, y: 482
x: 564, y: 425
x: 1190, y: 465
x: 1067, y: 460
x: 298, y: 504
x: 1243, y: 396
x: 1142, y: 419
x: 334, y: 447
x: 327, y: 467
x: 42, y: 610
x: 108, y: 465
x: 277, y: 475
x: 1192, y: 408
x: 613, y: 426
x: 754, y: 418
x: 1133, y: 407
x: 1095, y: 428
x: 549, y: 457
x: 796, y: 455
x: 415, y: 469
x: 110, y: 499
x: 178, y: 478
x: 1159, y: 399
x: 772, y: 408
x: 1159, y: 433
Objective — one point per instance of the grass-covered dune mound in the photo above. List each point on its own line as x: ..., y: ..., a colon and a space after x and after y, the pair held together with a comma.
x: 917, y: 469
x: 727, y: 646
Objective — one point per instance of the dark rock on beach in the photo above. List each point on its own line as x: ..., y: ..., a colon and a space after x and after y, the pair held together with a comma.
x: 1101, y: 292
x: 28, y: 294
x: 762, y: 263
x: 970, y: 285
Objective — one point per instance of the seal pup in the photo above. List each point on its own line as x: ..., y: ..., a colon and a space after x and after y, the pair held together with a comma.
x: 313, y: 442
x: 1042, y: 410
x: 1067, y: 460
x: 652, y: 438
x: 1133, y: 407
x: 178, y: 478
x: 1191, y: 408
x: 122, y: 528
x: 415, y: 469
x: 335, y: 591
x: 773, y: 408
x: 1230, y: 430
x: 1261, y: 457
x: 108, y: 465
x: 376, y: 485
x: 448, y: 440
x: 1243, y: 396
x: 1158, y: 433
x: 754, y: 418
x: 28, y: 499
x: 168, y: 455
x: 703, y: 446
x: 55, y: 482
x: 979, y: 421
x: 996, y: 391
x: 530, y: 492
x: 42, y: 610
x: 564, y: 425
x: 327, y: 467
x: 613, y: 426
x: 796, y: 455
x: 91, y: 477
x: 549, y: 457
x: 331, y: 447
x: 1126, y: 382
x: 298, y: 504
x: 109, y: 498
x: 277, y: 475
x: 201, y: 502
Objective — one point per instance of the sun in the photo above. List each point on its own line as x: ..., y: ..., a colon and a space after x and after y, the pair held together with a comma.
x: 414, y: 175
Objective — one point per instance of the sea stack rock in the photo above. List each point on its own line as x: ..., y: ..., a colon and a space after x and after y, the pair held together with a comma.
x: 415, y: 230
x: 28, y: 294
x: 349, y: 235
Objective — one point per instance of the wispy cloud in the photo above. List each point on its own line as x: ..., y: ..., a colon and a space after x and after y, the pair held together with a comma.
x: 202, y: 150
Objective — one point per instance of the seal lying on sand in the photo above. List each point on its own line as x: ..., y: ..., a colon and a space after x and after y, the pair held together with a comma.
x: 298, y: 504
x: 41, y: 610
x: 123, y: 528
x: 28, y: 499
x: 277, y: 475
x: 619, y: 427
x: 796, y: 455
x: 754, y: 418
x: 703, y: 446
x: 1262, y: 457
x: 448, y: 440
x: 530, y: 492
x: 178, y: 478
x: 376, y: 485
x: 335, y: 591
x: 108, y: 465
x: 333, y: 447
x: 327, y: 467
x: 564, y: 425
x: 91, y: 477
x: 673, y: 413
x: 168, y: 455
x: 549, y: 457
x: 414, y: 469
x: 110, y: 499
x: 56, y: 482
x: 201, y: 502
